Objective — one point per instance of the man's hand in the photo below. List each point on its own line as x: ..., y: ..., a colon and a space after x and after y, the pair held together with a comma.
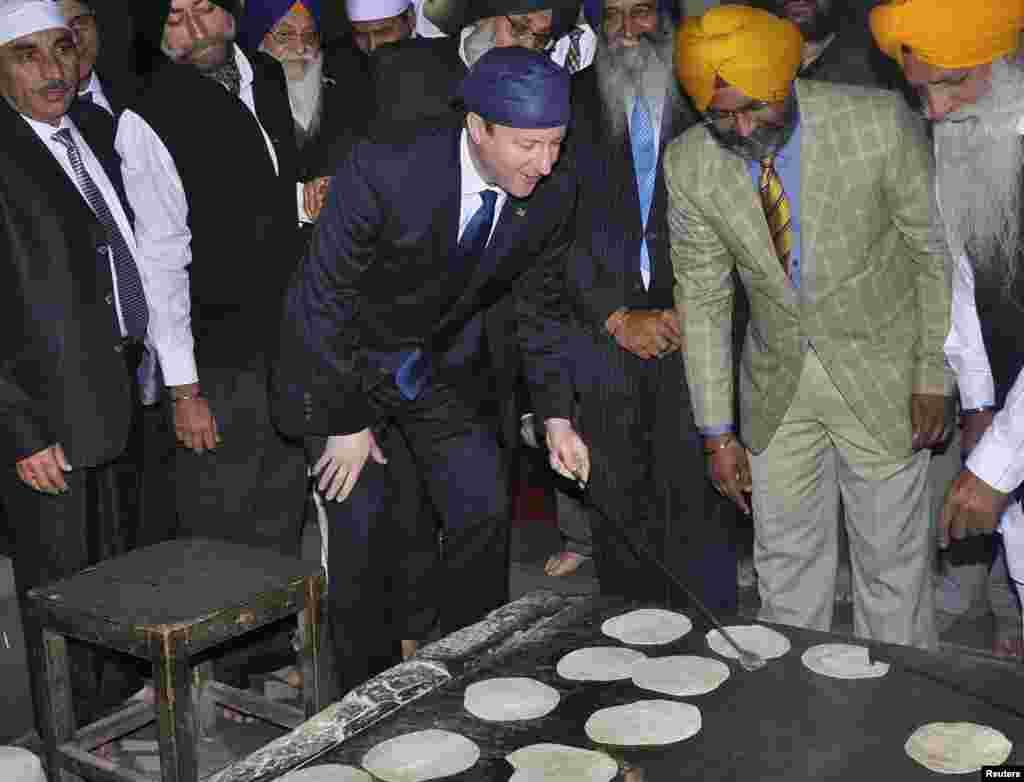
x: 729, y: 468
x: 569, y: 455
x: 646, y: 333
x: 194, y: 424
x: 972, y: 508
x: 44, y: 470
x: 314, y: 194
x: 974, y: 426
x: 342, y: 461
x: 931, y: 416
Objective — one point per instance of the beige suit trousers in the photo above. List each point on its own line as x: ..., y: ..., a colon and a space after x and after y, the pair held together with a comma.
x: 821, y: 453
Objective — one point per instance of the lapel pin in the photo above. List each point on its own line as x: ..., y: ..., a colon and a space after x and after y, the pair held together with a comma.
x: 520, y: 212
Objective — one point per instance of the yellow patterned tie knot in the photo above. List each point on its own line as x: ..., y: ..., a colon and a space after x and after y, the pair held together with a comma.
x: 777, y: 211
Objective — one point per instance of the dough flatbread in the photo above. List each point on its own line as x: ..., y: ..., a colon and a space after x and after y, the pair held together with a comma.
x: 957, y: 747
x: 559, y: 763
x: 680, y: 675
x: 599, y: 663
x: 328, y: 772
x: 644, y: 723
x: 647, y: 626
x: 419, y: 756
x: 515, y: 698
x: 755, y: 638
x: 843, y: 661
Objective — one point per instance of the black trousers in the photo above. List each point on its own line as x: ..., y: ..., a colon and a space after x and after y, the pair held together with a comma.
x: 455, y: 455
x: 252, y: 489
x: 648, y: 473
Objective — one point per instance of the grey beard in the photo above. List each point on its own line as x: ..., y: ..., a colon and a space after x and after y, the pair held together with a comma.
x: 478, y: 43
x: 980, y: 161
x: 644, y: 70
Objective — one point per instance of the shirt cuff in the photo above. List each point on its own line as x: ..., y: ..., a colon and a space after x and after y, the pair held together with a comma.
x: 1012, y: 528
x: 996, y: 461
x: 976, y: 390
x: 300, y: 192
x: 179, y: 369
x: 716, y: 431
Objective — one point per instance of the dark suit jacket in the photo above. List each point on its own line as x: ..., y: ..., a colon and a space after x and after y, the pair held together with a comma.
x: 376, y: 280
x: 61, y: 377
x: 604, y: 268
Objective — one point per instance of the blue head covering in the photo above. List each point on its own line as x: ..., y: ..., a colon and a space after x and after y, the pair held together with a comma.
x: 518, y: 88
x: 593, y: 10
x: 260, y: 16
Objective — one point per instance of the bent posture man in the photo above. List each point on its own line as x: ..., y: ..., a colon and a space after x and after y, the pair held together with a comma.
x: 395, y: 273
x: 819, y: 196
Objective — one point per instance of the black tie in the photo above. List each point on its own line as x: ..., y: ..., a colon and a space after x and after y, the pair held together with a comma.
x: 129, y: 284
x: 415, y: 369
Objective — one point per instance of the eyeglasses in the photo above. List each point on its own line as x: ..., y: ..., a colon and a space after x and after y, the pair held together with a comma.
x: 290, y: 37
x: 757, y: 110
x: 638, y: 14
x: 522, y: 33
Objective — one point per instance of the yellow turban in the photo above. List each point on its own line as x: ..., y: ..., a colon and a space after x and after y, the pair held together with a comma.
x: 949, y: 33
x: 753, y: 50
x: 299, y: 9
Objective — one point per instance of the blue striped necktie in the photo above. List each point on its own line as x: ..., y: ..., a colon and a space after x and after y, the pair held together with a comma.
x: 416, y: 367
x: 129, y: 285
x: 645, y: 167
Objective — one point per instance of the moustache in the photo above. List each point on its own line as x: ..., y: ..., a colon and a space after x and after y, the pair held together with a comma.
x: 53, y: 85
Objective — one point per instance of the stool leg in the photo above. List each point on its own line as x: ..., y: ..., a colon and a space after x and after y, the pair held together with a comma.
x: 311, y: 655
x: 52, y: 684
x: 176, y: 719
x: 202, y: 700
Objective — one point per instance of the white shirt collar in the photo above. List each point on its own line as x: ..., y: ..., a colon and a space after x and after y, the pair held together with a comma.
x: 244, y: 67
x: 472, y: 182
x: 45, y: 130
x: 93, y: 85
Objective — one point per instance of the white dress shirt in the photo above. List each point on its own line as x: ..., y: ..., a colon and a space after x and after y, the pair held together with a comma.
x: 998, y: 458
x: 588, y: 46
x: 95, y: 91
x: 472, y: 185
x: 46, y: 132
x: 158, y: 198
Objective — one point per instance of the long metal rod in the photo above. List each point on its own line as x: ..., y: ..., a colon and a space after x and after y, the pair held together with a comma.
x: 641, y: 548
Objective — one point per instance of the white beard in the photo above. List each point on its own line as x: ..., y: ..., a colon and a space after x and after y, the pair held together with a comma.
x: 979, y: 164
x: 644, y: 70
x: 304, y: 95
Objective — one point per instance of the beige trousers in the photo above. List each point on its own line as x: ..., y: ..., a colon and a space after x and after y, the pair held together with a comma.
x: 821, y: 453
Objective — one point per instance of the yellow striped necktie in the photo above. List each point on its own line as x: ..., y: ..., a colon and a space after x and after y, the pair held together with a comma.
x: 777, y: 211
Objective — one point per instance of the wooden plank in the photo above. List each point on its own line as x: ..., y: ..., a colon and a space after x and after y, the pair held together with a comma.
x: 118, y: 724
x: 52, y: 685
x: 172, y: 679
x: 256, y: 705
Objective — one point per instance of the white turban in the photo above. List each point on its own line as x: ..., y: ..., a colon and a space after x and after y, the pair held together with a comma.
x: 24, y: 17
x: 372, y: 10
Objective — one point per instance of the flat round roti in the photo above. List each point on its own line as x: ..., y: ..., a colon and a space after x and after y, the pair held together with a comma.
x: 328, y: 772
x: 419, y: 756
x: 599, y: 663
x: 647, y: 626
x: 644, y: 723
x: 843, y: 661
x: 512, y: 698
x: 559, y: 763
x: 755, y: 638
x: 680, y: 675
x: 957, y: 747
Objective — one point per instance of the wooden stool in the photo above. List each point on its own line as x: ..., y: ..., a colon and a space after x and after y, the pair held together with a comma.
x: 168, y: 603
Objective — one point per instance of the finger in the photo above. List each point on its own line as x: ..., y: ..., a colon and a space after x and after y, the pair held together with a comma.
x: 671, y: 322
x: 556, y: 465
x: 52, y: 473
x: 325, y: 469
x: 62, y: 462
x: 337, y: 480
x: 584, y: 461
x: 349, y: 484
x: 376, y: 453
x: 958, y: 521
x: 944, y: 519
x: 216, y: 429
x: 732, y: 491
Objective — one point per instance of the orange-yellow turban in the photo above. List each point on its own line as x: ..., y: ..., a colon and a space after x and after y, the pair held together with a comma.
x: 299, y: 9
x: 949, y: 33
x: 753, y: 50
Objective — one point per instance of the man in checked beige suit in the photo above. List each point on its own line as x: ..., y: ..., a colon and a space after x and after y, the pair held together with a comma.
x: 843, y: 384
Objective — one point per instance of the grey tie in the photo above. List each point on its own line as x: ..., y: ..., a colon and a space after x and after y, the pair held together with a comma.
x: 129, y: 284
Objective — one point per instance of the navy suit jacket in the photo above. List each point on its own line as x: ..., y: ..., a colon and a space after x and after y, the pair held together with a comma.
x: 376, y: 280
